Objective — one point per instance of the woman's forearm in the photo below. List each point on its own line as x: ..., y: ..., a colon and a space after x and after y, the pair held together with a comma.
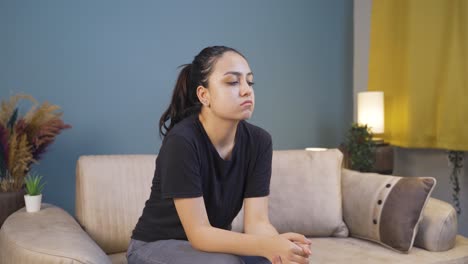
x: 260, y: 228
x: 212, y: 239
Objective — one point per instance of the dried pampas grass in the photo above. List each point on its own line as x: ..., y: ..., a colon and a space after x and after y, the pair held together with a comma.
x: 23, y: 140
x: 8, y: 108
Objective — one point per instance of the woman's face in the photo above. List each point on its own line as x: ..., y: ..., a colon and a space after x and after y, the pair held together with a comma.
x: 230, y: 91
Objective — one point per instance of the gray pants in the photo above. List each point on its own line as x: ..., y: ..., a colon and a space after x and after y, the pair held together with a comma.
x: 181, y: 252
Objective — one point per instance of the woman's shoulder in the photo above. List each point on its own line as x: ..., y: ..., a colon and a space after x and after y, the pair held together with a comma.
x: 185, y: 129
x: 257, y: 133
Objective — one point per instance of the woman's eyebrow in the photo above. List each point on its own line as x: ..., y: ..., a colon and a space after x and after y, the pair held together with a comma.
x: 237, y: 73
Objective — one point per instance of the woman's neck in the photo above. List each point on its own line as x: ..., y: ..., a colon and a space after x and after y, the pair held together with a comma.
x: 221, y: 132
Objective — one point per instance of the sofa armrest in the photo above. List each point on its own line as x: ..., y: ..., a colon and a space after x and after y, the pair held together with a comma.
x: 48, y: 236
x: 438, y: 227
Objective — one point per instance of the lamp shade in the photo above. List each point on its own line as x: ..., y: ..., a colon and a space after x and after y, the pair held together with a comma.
x: 370, y: 110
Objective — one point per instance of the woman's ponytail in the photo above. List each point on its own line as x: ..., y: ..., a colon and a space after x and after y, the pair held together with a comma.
x: 184, y: 101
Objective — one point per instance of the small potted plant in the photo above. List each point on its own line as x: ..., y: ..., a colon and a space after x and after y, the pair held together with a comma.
x: 33, y: 196
x: 359, y: 148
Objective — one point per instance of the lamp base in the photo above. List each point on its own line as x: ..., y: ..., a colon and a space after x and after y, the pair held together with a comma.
x: 378, y: 141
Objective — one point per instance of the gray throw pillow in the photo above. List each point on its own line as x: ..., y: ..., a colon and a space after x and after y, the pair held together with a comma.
x: 385, y: 209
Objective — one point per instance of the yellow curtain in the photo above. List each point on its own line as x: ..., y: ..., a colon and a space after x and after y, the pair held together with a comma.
x: 419, y: 58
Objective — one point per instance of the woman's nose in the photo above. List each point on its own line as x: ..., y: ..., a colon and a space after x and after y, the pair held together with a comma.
x: 245, y: 88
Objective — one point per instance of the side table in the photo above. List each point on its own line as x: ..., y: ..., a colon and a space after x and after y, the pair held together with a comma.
x: 383, y: 159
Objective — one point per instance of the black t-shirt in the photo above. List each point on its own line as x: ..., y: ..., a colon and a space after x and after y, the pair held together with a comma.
x: 188, y: 165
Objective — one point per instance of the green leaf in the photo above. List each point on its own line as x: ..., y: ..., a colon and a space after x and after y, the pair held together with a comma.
x: 360, y: 147
x: 33, y: 184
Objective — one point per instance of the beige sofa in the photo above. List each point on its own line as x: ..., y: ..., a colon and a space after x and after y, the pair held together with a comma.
x: 111, y: 192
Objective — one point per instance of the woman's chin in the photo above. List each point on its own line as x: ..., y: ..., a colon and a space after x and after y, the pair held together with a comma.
x: 246, y: 115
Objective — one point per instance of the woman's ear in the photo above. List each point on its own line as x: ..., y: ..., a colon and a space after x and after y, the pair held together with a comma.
x: 203, y: 95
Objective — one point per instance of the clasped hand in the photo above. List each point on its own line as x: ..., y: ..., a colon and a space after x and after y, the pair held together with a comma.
x: 290, y: 248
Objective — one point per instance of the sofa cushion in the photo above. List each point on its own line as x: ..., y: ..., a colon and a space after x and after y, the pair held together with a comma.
x: 438, y: 227
x: 385, y: 209
x: 50, y: 235
x: 353, y: 250
x: 118, y: 258
x: 111, y: 191
x: 305, y: 193
x: 357, y: 251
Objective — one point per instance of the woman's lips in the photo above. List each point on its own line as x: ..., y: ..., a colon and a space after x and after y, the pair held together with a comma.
x: 246, y: 102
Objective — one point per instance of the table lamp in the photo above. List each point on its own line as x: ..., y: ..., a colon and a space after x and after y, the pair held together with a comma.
x: 370, y: 111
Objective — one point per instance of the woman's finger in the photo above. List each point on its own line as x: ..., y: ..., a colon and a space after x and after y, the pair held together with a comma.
x: 295, y: 237
x: 277, y: 260
x: 305, y: 248
x: 299, y: 251
x: 299, y: 257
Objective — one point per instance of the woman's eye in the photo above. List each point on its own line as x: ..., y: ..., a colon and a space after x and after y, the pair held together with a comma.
x: 234, y: 83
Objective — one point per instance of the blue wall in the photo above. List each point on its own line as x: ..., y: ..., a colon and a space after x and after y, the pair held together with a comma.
x: 111, y: 66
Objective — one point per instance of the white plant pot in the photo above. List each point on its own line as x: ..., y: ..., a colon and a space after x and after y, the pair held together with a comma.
x: 33, y: 203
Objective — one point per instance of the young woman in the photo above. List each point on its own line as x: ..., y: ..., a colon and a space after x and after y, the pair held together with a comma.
x: 210, y: 163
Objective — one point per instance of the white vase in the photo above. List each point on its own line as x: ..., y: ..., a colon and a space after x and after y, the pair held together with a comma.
x: 33, y: 203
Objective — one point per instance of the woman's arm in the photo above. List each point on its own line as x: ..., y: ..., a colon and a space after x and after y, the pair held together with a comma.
x: 202, y: 236
x: 256, y: 219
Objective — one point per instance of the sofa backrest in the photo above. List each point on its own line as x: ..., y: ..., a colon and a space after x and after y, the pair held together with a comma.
x: 111, y: 192
x: 305, y: 194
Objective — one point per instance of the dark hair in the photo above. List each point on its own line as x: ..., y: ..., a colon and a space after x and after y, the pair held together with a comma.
x: 184, y: 100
